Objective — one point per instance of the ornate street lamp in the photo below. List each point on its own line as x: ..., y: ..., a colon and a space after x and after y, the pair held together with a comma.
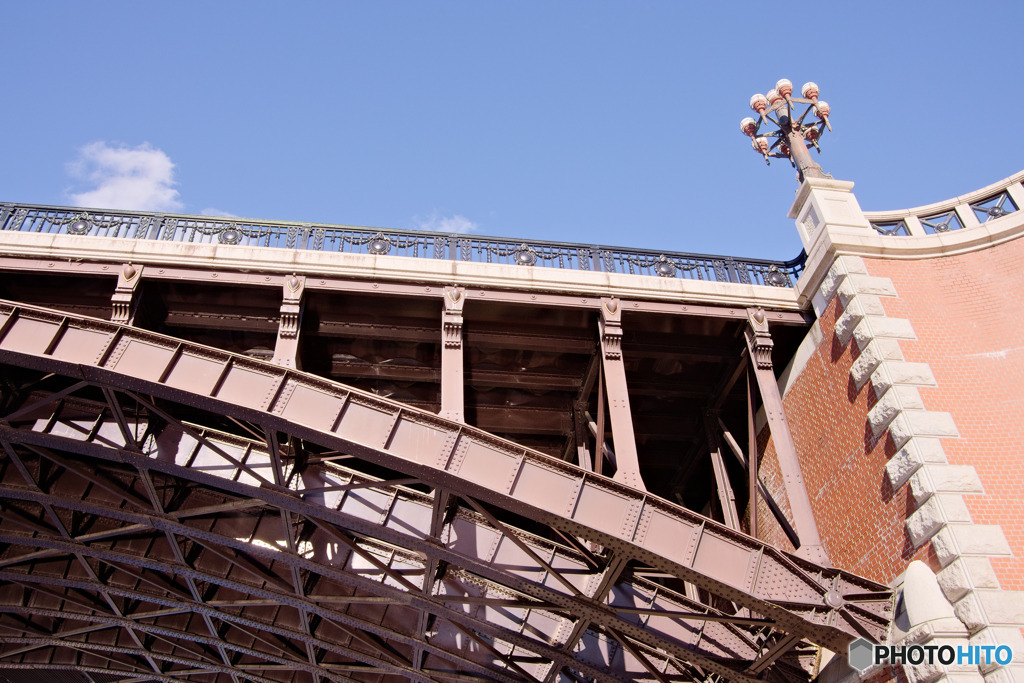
x: 794, y: 135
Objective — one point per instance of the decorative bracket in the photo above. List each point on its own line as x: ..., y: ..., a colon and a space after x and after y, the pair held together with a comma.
x: 759, y: 339
x: 291, y: 306
x: 286, y: 351
x: 451, y: 319
x: 124, y: 300
x: 611, y: 328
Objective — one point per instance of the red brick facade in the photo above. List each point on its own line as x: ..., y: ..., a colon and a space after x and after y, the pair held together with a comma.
x: 860, y: 518
x: 964, y: 311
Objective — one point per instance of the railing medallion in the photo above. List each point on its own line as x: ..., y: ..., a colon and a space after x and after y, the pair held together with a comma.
x: 379, y: 245
x: 230, y: 236
x: 524, y: 256
x: 80, y: 225
x: 776, y: 278
x: 664, y: 267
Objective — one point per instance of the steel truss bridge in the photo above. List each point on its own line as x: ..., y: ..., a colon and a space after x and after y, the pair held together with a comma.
x: 171, y: 510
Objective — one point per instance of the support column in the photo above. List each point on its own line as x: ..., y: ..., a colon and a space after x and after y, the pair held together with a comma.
x: 752, y: 480
x: 452, y: 380
x: 286, y: 350
x: 601, y: 447
x: 726, y: 497
x: 610, y: 330
x: 759, y: 343
x: 125, y: 300
x: 579, y: 421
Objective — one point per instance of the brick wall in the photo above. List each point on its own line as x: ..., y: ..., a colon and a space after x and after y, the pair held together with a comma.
x: 860, y: 517
x: 908, y: 418
x: 965, y: 312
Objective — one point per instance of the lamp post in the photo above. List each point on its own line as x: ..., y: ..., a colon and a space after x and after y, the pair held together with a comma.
x: 793, y: 135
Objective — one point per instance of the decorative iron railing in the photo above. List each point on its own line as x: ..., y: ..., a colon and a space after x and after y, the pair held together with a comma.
x: 960, y: 213
x: 411, y: 243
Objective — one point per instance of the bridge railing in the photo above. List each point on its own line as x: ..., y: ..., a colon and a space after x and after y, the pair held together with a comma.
x: 958, y: 213
x: 409, y: 243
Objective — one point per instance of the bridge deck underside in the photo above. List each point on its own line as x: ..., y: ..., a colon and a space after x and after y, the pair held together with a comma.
x: 529, y: 366
x: 170, y: 511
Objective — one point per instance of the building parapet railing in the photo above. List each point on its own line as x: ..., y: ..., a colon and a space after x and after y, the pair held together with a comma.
x: 409, y: 243
x: 959, y: 213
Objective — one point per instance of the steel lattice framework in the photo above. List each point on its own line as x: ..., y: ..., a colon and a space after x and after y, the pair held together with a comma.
x: 170, y: 511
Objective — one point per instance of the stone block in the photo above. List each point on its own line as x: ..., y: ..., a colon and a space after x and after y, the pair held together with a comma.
x: 954, y: 668
x: 911, y: 423
x: 934, y: 478
x: 868, y: 284
x: 966, y: 574
x: 883, y: 412
x: 897, y: 399
x: 1002, y: 607
x: 1001, y: 635
x: 909, y: 397
x: 954, y: 478
x: 874, y: 326
x: 830, y: 282
x: 930, y: 449
x: 981, y: 539
x: 1014, y: 673
x: 902, y: 465
x: 924, y: 673
x: 853, y: 265
x: 850, y: 318
x: 845, y: 292
x: 925, y: 522
x: 819, y: 303
x: 871, y: 304
x: 955, y: 579
x: 954, y: 509
x: 968, y: 610
x: 956, y: 540
x: 897, y: 372
x: 933, y: 514
x: 963, y: 677
x: 876, y: 352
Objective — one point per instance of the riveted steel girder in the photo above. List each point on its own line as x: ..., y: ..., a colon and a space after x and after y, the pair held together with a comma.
x: 336, y: 530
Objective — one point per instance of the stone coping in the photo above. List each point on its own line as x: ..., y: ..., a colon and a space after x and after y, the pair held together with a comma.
x: 947, y: 205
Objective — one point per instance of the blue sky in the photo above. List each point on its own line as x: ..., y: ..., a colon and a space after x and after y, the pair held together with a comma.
x: 599, y: 122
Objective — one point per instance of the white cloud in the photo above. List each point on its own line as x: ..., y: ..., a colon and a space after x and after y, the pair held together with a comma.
x: 217, y: 212
x: 438, y: 223
x: 133, y: 178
